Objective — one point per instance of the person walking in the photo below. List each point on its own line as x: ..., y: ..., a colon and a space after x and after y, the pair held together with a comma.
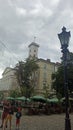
x: 5, y: 113
x: 18, y: 116
x: 9, y: 116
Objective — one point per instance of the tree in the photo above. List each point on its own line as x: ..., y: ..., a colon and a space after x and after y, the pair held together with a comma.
x: 1, y: 95
x: 20, y: 72
x: 25, y: 72
x: 14, y: 93
x: 57, y: 83
x: 58, y: 79
x: 46, y: 91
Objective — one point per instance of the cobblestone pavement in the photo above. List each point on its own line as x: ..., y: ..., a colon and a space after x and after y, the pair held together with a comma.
x: 42, y: 122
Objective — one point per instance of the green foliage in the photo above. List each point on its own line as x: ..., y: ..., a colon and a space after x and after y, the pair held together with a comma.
x: 14, y: 93
x: 1, y: 95
x: 24, y: 72
x: 70, y: 77
x: 30, y: 68
x: 58, y: 79
x: 46, y: 91
x: 27, y: 92
x: 20, y: 72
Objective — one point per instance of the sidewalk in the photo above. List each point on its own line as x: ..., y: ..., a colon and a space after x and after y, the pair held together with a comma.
x: 50, y: 122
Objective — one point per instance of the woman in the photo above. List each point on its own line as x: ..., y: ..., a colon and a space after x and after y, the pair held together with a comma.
x: 4, y: 114
x: 9, y: 115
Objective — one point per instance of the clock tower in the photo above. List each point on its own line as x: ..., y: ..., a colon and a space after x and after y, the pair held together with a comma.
x: 33, y: 50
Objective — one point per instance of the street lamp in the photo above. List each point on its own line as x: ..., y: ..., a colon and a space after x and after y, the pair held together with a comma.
x: 64, y: 40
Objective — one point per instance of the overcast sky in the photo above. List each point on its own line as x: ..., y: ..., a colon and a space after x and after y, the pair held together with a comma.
x: 21, y: 20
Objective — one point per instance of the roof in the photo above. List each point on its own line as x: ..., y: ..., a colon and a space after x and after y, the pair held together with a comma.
x: 7, y: 70
x: 6, y: 80
x: 48, y: 61
x: 33, y: 43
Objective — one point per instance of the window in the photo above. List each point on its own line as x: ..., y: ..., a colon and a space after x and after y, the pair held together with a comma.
x: 45, y: 66
x: 34, y: 50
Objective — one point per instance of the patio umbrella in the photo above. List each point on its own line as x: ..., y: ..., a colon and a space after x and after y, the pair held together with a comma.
x: 10, y: 98
x: 23, y: 98
x: 54, y: 100
x: 38, y: 98
x: 48, y: 100
x: 70, y: 99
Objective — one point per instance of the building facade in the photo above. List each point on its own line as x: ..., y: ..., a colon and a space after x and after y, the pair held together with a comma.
x: 33, y: 50
x: 8, y: 81
x: 42, y: 77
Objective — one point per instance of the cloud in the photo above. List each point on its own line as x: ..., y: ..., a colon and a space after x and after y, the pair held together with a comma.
x: 20, y: 11
x: 21, y: 20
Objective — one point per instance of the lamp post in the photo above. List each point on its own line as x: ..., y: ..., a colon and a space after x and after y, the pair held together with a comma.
x: 64, y: 40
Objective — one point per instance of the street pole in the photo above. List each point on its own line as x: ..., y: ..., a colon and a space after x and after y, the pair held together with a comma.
x: 64, y: 40
x: 67, y: 119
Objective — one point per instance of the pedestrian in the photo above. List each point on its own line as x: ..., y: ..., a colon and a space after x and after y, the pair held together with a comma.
x: 4, y: 114
x: 18, y: 116
x: 9, y: 116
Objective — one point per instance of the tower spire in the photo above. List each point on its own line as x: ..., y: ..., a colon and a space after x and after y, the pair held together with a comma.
x: 33, y: 49
x: 34, y: 38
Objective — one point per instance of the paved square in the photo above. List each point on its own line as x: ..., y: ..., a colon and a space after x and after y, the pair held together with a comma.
x: 42, y: 122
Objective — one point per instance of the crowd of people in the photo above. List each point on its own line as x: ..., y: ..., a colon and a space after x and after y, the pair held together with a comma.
x: 8, y: 111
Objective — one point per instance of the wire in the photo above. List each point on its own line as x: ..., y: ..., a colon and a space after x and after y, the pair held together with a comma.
x: 17, y: 58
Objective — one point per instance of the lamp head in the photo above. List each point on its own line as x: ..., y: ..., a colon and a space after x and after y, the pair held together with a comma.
x: 64, y: 37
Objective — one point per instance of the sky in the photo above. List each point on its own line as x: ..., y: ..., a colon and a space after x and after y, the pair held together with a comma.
x: 22, y: 20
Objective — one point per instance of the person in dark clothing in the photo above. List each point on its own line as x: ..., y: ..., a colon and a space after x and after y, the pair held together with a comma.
x: 18, y: 116
x: 5, y: 113
x: 9, y: 116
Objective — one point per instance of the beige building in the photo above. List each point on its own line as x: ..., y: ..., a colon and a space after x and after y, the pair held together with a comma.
x: 33, y: 50
x: 41, y: 78
x: 8, y: 82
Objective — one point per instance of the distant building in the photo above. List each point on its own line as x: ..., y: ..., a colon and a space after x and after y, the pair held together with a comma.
x: 41, y: 78
x: 46, y: 68
x: 8, y: 82
x: 33, y: 50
